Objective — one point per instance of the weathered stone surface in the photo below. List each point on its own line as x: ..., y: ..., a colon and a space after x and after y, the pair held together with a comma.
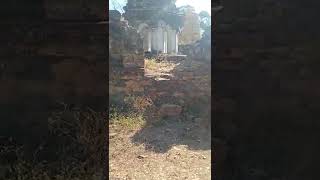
x: 43, y: 62
x: 19, y: 9
x: 191, y: 28
x: 125, y: 58
x: 258, y: 69
x: 134, y: 86
x: 170, y: 110
x: 75, y: 10
x: 199, y: 50
x: 151, y: 11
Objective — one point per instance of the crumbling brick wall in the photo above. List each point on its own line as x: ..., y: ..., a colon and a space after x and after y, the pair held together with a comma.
x: 49, y: 57
x: 187, y: 89
x: 126, y: 73
x: 200, y: 50
x: 126, y: 58
x: 266, y: 93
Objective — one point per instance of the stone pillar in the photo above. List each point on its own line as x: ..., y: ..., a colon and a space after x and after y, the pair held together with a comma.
x: 154, y: 39
x: 173, y: 41
x: 165, y: 42
x: 169, y: 38
x: 160, y: 39
x: 149, y: 40
x: 145, y: 40
x: 177, y: 43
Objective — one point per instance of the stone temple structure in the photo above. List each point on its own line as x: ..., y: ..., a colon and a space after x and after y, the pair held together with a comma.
x: 190, y: 32
x: 158, y: 23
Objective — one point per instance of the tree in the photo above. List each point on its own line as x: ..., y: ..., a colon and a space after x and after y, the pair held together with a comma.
x: 185, y: 8
x: 205, y: 22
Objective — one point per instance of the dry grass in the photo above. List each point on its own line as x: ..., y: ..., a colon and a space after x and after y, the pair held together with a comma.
x: 85, y: 127
x: 138, y: 103
x: 132, y: 114
x: 144, y: 146
x: 81, y: 158
x: 127, y: 121
x: 162, y: 66
x: 133, y: 156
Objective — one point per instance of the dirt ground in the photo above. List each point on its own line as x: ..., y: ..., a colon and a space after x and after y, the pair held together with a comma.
x: 164, y: 149
x: 168, y: 150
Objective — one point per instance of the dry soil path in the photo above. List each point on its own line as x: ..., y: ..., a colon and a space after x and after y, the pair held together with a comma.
x: 171, y: 150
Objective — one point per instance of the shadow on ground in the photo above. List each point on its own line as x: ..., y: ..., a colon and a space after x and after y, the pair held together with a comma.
x: 161, y: 135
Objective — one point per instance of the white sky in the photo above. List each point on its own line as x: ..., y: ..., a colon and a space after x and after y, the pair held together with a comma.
x: 199, y: 5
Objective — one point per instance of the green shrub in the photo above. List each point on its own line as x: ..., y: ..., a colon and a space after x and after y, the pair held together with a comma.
x: 126, y: 120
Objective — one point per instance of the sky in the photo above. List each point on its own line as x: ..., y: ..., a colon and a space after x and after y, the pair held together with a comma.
x: 199, y: 5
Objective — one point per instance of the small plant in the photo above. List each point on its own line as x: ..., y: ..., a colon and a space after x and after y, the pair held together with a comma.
x: 126, y: 120
x: 151, y: 64
x: 132, y: 113
x: 138, y: 103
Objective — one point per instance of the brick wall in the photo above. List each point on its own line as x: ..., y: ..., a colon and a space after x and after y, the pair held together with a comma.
x: 126, y: 59
x: 187, y: 84
x: 44, y: 60
x: 265, y: 76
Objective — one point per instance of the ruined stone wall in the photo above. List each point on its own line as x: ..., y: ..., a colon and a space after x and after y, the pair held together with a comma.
x: 188, y: 86
x: 191, y: 28
x: 266, y: 91
x: 149, y: 11
x: 126, y: 59
x: 200, y: 50
x: 48, y: 56
x: 189, y: 83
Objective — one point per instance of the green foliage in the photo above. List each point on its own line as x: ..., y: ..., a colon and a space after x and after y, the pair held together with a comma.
x: 205, y: 23
x: 131, y: 113
x: 173, y: 20
x: 129, y: 120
